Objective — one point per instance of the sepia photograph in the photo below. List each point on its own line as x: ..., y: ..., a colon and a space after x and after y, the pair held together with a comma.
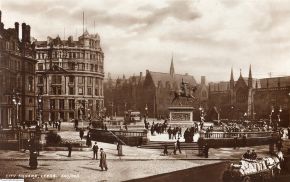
x: 145, y: 90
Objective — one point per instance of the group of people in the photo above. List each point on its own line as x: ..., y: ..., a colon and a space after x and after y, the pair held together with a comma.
x: 103, y: 157
x: 189, y: 134
x: 250, y: 155
x: 158, y: 128
x: 173, y: 132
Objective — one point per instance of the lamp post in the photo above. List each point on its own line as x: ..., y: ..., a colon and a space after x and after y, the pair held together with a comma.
x: 112, y: 107
x: 40, y: 104
x: 146, y: 112
x: 232, y: 113
x: 17, y: 103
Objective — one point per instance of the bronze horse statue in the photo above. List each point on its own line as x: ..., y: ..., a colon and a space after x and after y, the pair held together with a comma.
x: 185, y: 92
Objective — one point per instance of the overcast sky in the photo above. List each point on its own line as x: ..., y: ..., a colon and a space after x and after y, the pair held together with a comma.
x: 206, y: 37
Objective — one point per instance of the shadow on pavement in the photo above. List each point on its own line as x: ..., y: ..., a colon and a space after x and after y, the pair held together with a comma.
x: 25, y: 167
x: 94, y: 169
x: 206, y: 173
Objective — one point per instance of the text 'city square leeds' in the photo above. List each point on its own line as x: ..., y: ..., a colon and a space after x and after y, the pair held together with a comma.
x: 145, y: 91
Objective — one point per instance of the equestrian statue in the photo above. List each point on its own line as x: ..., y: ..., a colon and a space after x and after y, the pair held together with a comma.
x: 185, y: 92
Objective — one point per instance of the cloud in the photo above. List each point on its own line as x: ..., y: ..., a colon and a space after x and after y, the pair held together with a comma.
x: 207, y: 37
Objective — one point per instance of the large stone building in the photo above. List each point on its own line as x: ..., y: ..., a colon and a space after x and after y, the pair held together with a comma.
x: 251, y: 98
x: 123, y: 94
x: 153, y: 91
x: 17, y: 74
x: 70, y: 77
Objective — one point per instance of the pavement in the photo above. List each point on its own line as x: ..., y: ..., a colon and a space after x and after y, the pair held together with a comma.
x: 135, y: 153
x: 135, y: 163
x: 130, y: 153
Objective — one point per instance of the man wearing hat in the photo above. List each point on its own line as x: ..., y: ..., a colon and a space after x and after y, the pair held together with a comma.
x: 178, y: 145
x: 103, y: 160
x: 95, y: 150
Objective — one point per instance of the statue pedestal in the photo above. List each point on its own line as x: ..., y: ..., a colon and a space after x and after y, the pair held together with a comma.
x: 180, y: 114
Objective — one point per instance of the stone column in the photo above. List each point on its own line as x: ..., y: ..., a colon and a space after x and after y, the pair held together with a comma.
x: 66, y: 113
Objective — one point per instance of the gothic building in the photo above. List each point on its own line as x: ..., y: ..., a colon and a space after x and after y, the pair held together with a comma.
x: 17, y: 73
x: 70, y: 77
x: 251, y: 98
x: 153, y: 92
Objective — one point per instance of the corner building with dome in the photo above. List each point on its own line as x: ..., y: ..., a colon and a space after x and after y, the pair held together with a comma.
x: 69, y: 77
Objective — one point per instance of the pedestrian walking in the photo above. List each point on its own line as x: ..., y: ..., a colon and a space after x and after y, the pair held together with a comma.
x: 206, y: 151
x: 89, y: 140
x: 103, y: 160
x: 174, y: 148
x: 58, y: 126
x: 95, y: 150
x: 81, y: 134
x: 165, y: 151
x: 69, y: 148
x: 178, y: 145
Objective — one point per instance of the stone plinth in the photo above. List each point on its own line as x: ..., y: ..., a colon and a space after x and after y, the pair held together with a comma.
x: 180, y: 114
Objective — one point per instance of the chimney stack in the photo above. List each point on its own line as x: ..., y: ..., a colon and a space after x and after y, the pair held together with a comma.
x: 23, y: 32
x: 28, y: 33
x: 17, y: 29
x: 0, y: 16
x: 141, y: 74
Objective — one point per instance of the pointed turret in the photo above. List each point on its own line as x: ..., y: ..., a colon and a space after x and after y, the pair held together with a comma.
x: 250, y: 79
x: 172, y: 68
x: 232, y: 81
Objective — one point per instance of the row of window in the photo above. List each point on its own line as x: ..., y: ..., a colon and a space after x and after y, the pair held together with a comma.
x: 57, y: 90
x: 73, y: 66
x: 71, y: 104
x: 15, y: 64
x: 56, y: 79
x: 68, y: 54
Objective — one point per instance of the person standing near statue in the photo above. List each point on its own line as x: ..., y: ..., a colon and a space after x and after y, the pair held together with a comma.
x: 81, y: 134
x: 103, y: 160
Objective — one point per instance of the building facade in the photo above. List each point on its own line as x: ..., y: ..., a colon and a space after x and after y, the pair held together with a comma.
x: 17, y: 76
x: 151, y: 94
x: 251, y: 98
x: 70, y: 77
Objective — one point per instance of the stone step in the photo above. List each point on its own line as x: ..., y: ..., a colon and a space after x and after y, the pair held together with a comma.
x: 160, y: 145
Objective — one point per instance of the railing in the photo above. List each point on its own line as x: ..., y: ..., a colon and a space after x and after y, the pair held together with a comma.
x: 130, y: 133
x: 236, y: 134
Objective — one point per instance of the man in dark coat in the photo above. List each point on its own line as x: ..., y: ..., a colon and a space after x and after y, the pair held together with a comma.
x: 81, y: 134
x: 95, y: 150
x: 253, y: 155
x: 165, y: 151
x: 69, y: 147
x: 247, y: 155
x: 178, y: 145
x: 103, y: 160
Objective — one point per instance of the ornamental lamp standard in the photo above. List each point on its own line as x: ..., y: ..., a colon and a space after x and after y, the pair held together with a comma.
x: 17, y: 103
x: 40, y: 104
x: 146, y: 113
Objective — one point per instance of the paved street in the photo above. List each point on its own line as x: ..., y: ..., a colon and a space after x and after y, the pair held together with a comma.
x: 88, y: 170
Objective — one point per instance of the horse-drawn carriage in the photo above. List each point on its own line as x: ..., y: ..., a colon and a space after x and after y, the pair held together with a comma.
x: 263, y: 169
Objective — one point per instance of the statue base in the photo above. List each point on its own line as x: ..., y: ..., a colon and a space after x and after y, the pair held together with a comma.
x: 181, y: 114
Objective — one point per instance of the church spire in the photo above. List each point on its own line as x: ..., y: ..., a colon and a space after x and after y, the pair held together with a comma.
x: 250, y: 79
x: 232, y: 74
x: 250, y: 72
x: 172, y: 67
x: 232, y: 81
